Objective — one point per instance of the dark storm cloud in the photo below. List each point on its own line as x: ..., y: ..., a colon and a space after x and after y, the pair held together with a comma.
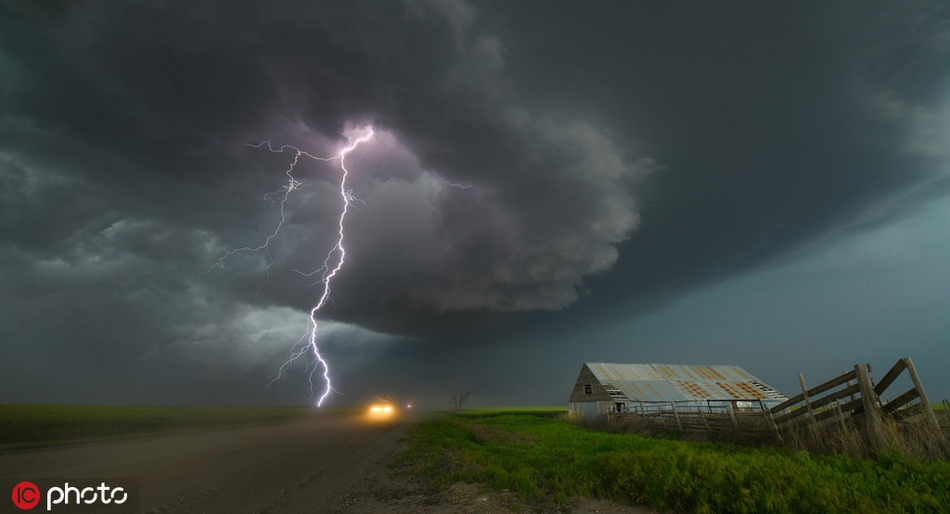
x: 126, y: 175
x: 768, y: 121
x: 526, y: 154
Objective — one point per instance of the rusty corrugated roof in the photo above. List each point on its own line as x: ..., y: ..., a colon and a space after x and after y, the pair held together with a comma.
x: 676, y: 382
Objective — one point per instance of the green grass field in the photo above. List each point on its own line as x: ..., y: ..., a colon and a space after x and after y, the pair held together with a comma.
x: 30, y: 426
x: 547, y: 459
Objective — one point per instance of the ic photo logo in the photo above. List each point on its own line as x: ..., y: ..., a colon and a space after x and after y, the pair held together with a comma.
x: 26, y: 495
x: 83, y: 495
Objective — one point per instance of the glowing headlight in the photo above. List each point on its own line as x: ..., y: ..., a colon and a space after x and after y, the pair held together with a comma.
x: 381, y: 412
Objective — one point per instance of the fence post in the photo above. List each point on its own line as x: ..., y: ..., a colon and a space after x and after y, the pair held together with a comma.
x: 928, y: 410
x: 770, y: 421
x: 848, y: 384
x: 872, y: 414
x: 811, y: 411
x: 839, y: 415
x: 732, y: 414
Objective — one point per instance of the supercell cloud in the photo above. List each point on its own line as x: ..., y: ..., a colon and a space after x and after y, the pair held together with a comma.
x: 538, y: 169
x: 127, y: 173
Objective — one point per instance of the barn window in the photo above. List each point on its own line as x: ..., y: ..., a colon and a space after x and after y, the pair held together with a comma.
x: 588, y: 389
x: 620, y: 406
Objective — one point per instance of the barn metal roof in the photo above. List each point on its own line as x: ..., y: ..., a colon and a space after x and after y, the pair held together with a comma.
x: 678, y: 383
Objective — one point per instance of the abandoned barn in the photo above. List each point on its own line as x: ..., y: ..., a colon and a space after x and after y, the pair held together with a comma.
x: 603, y: 390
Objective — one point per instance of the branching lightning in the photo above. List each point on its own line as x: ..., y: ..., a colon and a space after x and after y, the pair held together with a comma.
x: 456, y: 184
x: 332, y: 264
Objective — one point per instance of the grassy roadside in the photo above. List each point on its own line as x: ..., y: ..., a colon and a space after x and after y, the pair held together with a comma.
x: 546, y: 459
x: 31, y: 426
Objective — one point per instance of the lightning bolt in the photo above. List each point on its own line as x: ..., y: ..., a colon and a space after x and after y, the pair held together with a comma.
x: 332, y: 264
x: 456, y: 184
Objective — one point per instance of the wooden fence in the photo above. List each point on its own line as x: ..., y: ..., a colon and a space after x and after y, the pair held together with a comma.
x: 695, y: 419
x: 853, y: 400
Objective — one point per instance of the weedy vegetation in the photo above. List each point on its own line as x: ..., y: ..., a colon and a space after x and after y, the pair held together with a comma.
x: 31, y: 426
x: 544, y: 458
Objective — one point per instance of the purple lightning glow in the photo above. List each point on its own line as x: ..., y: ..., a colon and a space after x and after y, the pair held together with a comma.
x: 336, y: 254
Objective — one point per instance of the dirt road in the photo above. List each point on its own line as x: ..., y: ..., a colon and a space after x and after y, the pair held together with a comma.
x: 295, y: 467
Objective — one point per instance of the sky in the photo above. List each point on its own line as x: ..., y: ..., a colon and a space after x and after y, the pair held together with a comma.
x: 548, y: 184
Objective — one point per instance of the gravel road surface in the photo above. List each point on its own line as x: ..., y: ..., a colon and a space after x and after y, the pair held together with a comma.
x: 333, y: 463
x: 303, y: 466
